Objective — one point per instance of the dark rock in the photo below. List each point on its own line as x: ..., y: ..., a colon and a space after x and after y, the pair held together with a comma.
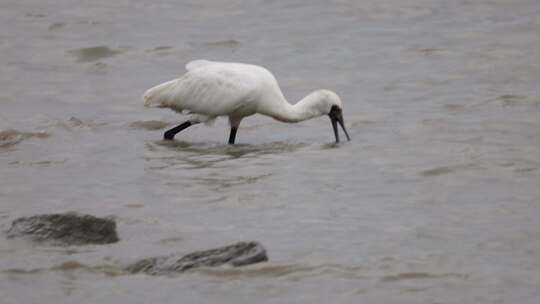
x: 94, y: 53
x: 238, y: 254
x: 65, y: 229
x: 11, y: 137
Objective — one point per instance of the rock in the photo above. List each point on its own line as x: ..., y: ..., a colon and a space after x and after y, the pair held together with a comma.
x: 65, y: 229
x: 94, y: 53
x: 239, y: 254
x: 11, y: 137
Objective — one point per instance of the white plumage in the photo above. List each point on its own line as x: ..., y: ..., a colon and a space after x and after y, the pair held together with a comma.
x: 211, y: 89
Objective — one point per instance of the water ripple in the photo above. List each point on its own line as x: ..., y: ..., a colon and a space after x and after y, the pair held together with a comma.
x: 205, y: 155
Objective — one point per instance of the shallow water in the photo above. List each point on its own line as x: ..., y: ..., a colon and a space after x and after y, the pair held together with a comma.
x: 433, y: 201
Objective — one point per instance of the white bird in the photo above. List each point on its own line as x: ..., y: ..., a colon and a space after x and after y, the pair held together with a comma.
x: 210, y: 89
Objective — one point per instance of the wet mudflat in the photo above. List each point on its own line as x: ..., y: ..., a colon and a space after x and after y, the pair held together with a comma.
x: 434, y: 201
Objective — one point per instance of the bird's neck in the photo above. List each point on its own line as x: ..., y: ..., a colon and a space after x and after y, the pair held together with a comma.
x: 302, y: 110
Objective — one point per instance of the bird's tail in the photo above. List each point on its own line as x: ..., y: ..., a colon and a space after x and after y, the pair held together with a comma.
x: 159, y: 96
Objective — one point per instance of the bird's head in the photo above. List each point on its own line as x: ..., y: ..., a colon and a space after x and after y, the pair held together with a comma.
x: 330, y: 104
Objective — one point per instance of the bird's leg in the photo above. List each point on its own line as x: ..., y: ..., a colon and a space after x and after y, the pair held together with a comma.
x: 234, y: 122
x: 232, y: 135
x: 169, y: 134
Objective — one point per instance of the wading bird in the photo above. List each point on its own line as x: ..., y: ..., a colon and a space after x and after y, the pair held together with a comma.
x: 211, y: 89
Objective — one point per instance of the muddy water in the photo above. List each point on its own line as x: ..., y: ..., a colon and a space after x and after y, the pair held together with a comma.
x: 434, y: 201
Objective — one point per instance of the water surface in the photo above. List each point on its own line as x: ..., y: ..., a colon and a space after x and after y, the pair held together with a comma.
x: 433, y: 201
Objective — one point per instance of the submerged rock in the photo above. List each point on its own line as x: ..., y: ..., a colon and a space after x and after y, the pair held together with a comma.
x: 11, y: 137
x: 94, y: 53
x: 239, y: 254
x: 65, y: 229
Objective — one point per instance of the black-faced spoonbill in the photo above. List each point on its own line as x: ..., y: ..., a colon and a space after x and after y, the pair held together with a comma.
x: 211, y: 89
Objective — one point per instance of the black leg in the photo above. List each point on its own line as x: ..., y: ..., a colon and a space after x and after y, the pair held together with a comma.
x: 169, y: 135
x: 232, y: 136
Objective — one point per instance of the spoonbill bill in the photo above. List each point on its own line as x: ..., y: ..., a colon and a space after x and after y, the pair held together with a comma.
x: 210, y: 89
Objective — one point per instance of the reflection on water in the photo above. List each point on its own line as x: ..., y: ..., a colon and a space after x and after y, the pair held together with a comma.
x: 197, y: 155
x: 234, y: 151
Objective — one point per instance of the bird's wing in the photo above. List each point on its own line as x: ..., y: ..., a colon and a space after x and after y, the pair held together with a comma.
x: 196, y: 64
x: 213, y: 91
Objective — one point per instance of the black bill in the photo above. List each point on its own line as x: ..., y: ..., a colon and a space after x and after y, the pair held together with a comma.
x: 336, y: 116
